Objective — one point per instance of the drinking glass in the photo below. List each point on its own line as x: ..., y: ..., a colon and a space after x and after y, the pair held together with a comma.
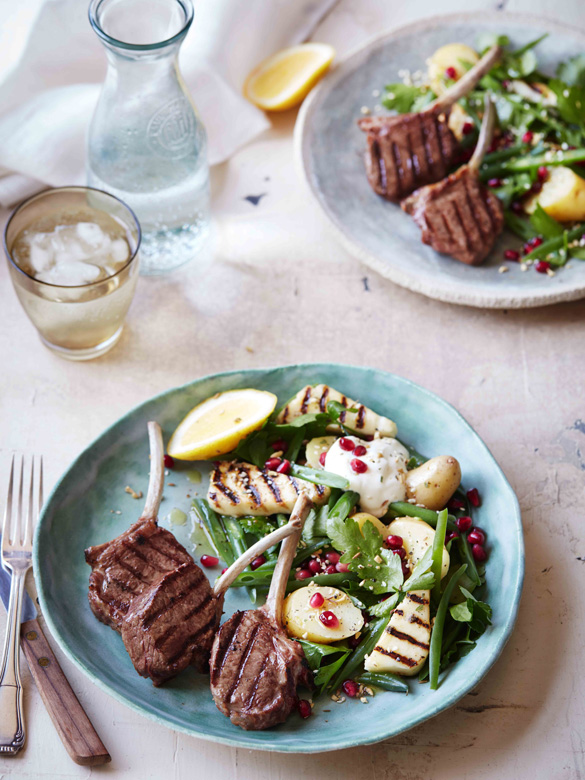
x: 77, y: 321
x: 146, y: 143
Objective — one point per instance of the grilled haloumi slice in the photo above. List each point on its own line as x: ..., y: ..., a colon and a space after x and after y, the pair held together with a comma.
x: 404, y: 645
x: 239, y: 489
x: 314, y: 398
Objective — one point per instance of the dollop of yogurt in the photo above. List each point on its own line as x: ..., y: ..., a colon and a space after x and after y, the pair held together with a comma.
x: 382, y: 482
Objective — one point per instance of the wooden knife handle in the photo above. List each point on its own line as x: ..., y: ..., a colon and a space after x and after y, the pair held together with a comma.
x: 74, y: 727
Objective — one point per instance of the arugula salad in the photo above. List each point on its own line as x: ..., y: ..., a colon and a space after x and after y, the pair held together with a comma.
x: 388, y: 579
x: 536, y: 162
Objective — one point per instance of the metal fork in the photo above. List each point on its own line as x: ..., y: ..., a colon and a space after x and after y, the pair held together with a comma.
x: 17, y: 559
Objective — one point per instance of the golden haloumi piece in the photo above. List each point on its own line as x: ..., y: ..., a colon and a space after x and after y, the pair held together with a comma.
x: 314, y: 398
x: 404, y: 645
x: 239, y: 489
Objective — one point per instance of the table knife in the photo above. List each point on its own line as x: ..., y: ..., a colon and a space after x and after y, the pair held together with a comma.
x: 73, y: 726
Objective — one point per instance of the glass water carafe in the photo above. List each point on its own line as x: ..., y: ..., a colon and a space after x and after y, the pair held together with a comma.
x: 146, y: 144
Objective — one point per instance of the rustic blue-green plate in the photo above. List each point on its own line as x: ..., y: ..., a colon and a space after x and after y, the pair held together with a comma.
x: 82, y: 511
x: 330, y: 150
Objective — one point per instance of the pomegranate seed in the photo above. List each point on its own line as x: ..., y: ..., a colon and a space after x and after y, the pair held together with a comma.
x: 329, y: 619
x: 284, y: 467
x: 476, y: 536
x: 494, y: 182
x: 358, y: 466
x: 272, y: 464
x: 360, y: 450
x: 451, y: 535
x: 517, y: 207
x: 400, y: 552
x: 468, y: 127
x: 542, y: 266
x: 257, y: 562
x: 536, y: 241
x: 316, y: 600
x: 542, y: 173
x: 342, y: 568
x: 280, y: 445
x: 209, y: 561
x: 512, y: 254
x: 331, y: 569
x: 322, y: 457
x: 332, y: 557
x: 455, y: 504
x: 394, y: 542
x: 314, y: 566
x: 473, y: 497
x: 405, y: 570
x: 353, y: 642
x: 305, y: 563
x: 351, y: 688
x: 479, y: 554
x: 506, y: 83
x: 223, y: 571
x: 451, y: 73
x: 304, y: 708
x: 536, y: 187
x: 303, y: 574
x: 527, y: 137
x: 347, y: 444
x: 169, y: 462
x: 464, y: 523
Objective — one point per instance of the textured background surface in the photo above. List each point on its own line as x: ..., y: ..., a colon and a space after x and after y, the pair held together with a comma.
x: 280, y: 290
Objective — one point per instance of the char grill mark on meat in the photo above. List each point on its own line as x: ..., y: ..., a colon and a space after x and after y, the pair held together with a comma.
x: 255, y: 667
x: 459, y: 216
x: 409, y: 151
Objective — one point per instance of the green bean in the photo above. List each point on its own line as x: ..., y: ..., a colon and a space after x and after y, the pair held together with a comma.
x: 319, y: 477
x: 438, y: 545
x: 404, y: 509
x: 504, y: 154
x: 344, y: 505
x: 364, y: 648
x: 237, y: 539
x: 334, y: 497
x: 334, y: 580
x: 437, y: 632
x: 386, y: 681
x: 213, y: 529
x: 467, y: 557
x: 532, y: 163
x: 281, y: 520
x: 553, y: 244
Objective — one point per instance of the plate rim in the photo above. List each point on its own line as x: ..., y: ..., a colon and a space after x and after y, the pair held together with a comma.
x: 268, y: 745
x: 404, y: 279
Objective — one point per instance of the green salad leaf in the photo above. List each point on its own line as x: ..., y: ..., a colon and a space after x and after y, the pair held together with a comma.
x: 572, y: 72
x: 544, y: 224
x: 324, y: 660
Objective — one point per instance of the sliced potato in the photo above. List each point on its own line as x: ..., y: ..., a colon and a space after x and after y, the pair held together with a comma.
x: 562, y: 196
x: 301, y: 620
x: 315, y: 448
x: 404, y: 645
x: 433, y: 483
x: 457, y: 119
x: 365, y: 517
x: 417, y: 537
x: 453, y: 55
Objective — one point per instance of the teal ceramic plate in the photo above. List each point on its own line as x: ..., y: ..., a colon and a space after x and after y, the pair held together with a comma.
x: 330, y: 150
x: 82, y: 511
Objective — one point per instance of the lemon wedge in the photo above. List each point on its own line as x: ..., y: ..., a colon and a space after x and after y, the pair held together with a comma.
x: 218, y: 424
x: 284, y: 80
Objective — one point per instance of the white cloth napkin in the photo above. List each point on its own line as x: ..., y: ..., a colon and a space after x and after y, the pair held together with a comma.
x: 52, y: 66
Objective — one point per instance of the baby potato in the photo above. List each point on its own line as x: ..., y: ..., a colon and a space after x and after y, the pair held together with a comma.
x: 315, y: 448
x: 365, y: 517
x: 433, y: 483
x: 450, y: 56
x: 562, y: 195
x: 301, y: 620
x: 457, y: 119
x: 417, y: 536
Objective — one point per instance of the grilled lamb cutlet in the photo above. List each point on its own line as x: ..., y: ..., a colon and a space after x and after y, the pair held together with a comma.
x: 459, y: 216
x: 406, y: 152
x: 239, y: 489
x: 145, y: 585
x: 255, y: 667
x: 172, y: 625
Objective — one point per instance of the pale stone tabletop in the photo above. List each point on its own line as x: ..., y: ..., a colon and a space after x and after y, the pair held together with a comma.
x: 277, y: 289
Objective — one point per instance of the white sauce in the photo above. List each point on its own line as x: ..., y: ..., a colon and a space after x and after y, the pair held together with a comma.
x: 384, y: 480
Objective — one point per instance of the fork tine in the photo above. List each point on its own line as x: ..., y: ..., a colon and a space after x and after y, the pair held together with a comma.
x: 27, y: 530
x: 8, y: 507
x: 16, y: 528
